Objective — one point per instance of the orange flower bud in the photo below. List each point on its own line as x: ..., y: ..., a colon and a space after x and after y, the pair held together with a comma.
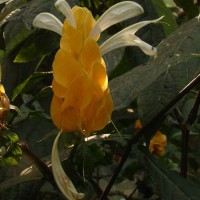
x: 4, y: 106
x: 158, y: 143
x: 138, y: 124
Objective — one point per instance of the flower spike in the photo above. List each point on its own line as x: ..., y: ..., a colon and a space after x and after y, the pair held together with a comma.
x: 65, y: 9
x: 49, y: 22
x: 126, y: 37
x: 115, y: 14
x: 82, y: 101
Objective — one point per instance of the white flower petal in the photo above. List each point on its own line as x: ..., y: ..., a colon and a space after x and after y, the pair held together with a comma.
x: 126, y: 37
x: 117, y: 13
x: 145, y: 47
x: 65, y: 9
x: 49, y: 22
x: 64, y: 183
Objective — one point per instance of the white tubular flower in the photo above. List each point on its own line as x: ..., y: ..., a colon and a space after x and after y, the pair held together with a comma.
x: 126, y: 37
x: 117, y: 13
x: 62, y: 180
x: 49, y: 22
x: 65, y: 9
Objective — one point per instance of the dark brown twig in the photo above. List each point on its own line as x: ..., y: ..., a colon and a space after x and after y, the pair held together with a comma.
x: 185, y: 135
x: 193, y: 113
x: 184, y: 142
x: 44, y: 169
x: 134, y: 139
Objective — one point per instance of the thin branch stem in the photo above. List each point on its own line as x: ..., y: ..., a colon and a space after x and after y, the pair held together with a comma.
x: 185, y: 135
x: 47, y: 173
x: 134, y: 139
x: 193, y: 113
x: 184, y: 142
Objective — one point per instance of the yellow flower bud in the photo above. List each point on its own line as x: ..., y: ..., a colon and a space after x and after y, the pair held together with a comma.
x: 158, y: 143
x: 4, y: 106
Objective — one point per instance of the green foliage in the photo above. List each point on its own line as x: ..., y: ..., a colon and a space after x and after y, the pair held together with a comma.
x: 140, y: 88
x: 10, y: 152
x: 162, y: 10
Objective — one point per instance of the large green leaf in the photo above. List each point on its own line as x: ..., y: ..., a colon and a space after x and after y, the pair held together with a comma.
x: 161, y: 9
x: 19, y: 24
x: 162, y: 77
x: 9, y: 8
x: 171, y: 184
x: 39, y: 44
x: 21, y: 86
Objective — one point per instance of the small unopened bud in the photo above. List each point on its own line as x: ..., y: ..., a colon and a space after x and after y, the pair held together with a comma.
x: 4, y: 106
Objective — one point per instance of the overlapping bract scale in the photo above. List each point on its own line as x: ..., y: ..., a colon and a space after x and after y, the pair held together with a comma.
x: 81, y: 101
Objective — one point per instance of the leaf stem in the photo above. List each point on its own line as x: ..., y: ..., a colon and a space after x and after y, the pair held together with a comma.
x: 184, y: 142
x: 44, y: 169
x: 144, y: 129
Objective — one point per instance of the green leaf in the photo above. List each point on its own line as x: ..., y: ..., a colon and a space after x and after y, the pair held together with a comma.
x: 18, y: 34
x: 172, y: 185
x: 1, y: 54
x: 19, y: 25
x: 37, y: 46
x: 163, y: 77
x: 21, y: 86
x: 169, y: 3
x: 188, y: 6
x: 10, y: 152
x: 9, y: 8
x: 161, y: 9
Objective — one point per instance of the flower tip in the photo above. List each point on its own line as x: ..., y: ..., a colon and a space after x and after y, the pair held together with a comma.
x: 59, y: 2
x: 161, y: 17
x: 153, y: 52
x: 65, y: 9
x: 48, y: 21
x: 117, y: 13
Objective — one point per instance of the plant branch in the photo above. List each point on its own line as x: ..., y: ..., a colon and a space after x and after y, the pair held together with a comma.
x: 193, y: 113
x: 44, y: 169
x: 184, y: 142
x: 134, y: 139
x: 185, y: 135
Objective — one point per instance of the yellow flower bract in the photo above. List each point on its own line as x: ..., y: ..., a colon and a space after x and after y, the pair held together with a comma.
x: 82, y: 101
x: 158, y: 143
x: 4, y: 106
